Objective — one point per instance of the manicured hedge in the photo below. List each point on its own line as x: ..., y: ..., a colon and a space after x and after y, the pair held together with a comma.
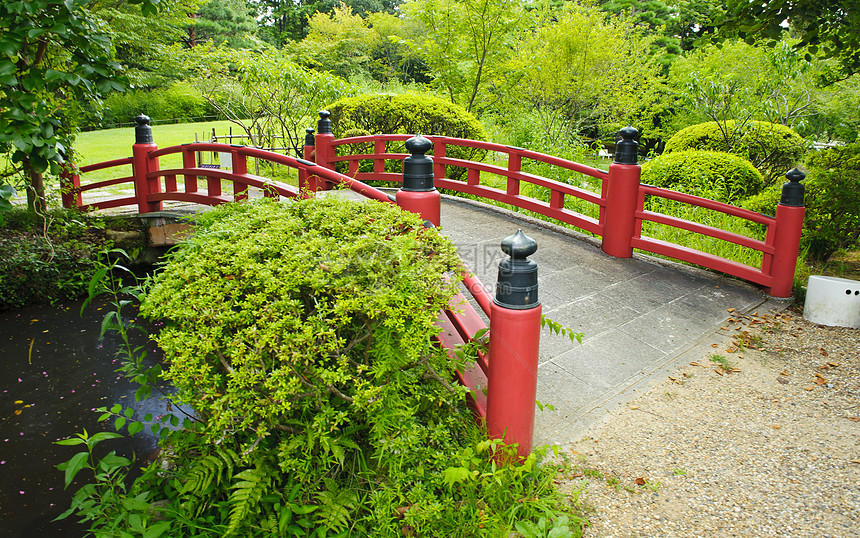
x: 772, y: 148
x: 409, y: 113
x: 711, y: 174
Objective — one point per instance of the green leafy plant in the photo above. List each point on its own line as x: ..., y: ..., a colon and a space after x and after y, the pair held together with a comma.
x: 833, y: 201
x: 710, y: 174
x: 408, y: 113
x: 772, y: 148
x: 302, y: 334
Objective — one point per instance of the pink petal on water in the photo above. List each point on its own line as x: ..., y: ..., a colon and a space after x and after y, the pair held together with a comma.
x: 21, y: 492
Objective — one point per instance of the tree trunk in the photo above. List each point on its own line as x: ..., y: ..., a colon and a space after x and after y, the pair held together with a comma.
x: 35, y: 188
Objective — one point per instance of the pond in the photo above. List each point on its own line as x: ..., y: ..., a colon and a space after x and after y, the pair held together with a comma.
x: 55, y: 371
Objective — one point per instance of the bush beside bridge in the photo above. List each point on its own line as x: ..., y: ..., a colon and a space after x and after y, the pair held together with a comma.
x: 302, y: 335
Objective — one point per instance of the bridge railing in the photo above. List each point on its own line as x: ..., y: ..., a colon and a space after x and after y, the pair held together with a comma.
x: 514, y: 331
x: 621, y: 202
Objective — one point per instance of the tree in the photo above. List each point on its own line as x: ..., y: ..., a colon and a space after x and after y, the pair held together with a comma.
x: 740, y: 82
x: 581, y: 70
x: 268, y: 96
x: 50, y: 52
x: 282, y: 21
x: 226, y: 22
x: 466, y: 43
x: 829, y: 28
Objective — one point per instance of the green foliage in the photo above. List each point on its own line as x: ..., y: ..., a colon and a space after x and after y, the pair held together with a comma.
x: 828, y: 29
x: 466, y: 44
x: 180, y: 101
x: 602, y: 86
x: 46, y: 260
x: 271, y: 98
x: 833, y: 201
x: 710, y: 174
x: 408, y: 113
x: 773, y: 149
x: 51, y: 52
x: 302, y: 334
x: 305, y: 304
x: 742, y: 82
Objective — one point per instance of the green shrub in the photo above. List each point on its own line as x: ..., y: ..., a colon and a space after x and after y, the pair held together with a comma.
x: 408, y: 113
x: 39, y: 267
x: 710, y: 174
x: 301, y: 334
x: 772, y: 148
x: 181, y: 101
x: 832, y: 219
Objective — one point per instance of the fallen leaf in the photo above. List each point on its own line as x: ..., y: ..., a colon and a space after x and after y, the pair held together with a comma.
x: 634, y: 407
x: 639, y: 481
x: 694, y: 363
x: 823, y: 352
x: 735, y: 370
x: 809, y: 388
x: 730, y: 309
x: 819, y: 381
x: 715, y: 345
x: 19, y: 402
x: 719, y: 372
x: 854, y: 461
x: 784, y: 372
x: 782, y: 380
x: 724, y: 328
x: 853, y: 419
x: 819, y: 376
x: 776, y: 426
x: 731, y: 349
x: 833, y: 364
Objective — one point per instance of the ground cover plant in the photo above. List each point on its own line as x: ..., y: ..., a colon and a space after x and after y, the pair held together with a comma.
x: 302, y: 335
x: 47, y: 258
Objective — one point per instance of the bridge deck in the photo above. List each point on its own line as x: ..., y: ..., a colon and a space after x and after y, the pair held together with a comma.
x: 640, y: 317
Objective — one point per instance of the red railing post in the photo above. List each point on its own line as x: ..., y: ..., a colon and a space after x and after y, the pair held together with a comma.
x: 621, y: 197
x: 789, y: 226
x: 515, y: 316
x: 70, y: 184
x: 418, y: 194
x: 325, y: 151
x: 141, y: 165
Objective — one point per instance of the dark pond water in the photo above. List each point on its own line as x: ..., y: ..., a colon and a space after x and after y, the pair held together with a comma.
x: 54, y: 370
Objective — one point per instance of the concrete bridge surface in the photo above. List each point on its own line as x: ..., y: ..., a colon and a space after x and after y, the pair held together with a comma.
x: 641, y: 316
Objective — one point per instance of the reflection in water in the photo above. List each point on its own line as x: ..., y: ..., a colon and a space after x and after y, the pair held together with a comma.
x: 53, y: 371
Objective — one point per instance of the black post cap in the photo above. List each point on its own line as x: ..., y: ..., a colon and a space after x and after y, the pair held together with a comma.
x: 793, y: 191
x: 627, y: 146
x: 309, y: 137
x: 418, y: 167
x: 517, y: 285
x: 142, y: 131
x: 324, y: 124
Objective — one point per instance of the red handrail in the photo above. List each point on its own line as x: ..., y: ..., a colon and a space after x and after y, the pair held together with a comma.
x: 154, y: 185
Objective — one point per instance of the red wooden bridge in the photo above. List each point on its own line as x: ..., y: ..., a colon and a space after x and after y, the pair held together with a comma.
x: 619, y: 211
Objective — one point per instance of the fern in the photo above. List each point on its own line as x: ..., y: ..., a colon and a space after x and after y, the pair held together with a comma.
x: 335, y: 506
x: 251, y: 486
x: 210, y: 470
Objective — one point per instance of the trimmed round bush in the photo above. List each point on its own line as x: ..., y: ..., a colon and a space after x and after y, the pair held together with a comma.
x: 409, y: 113
x: 772, y: 148
x: 710, y: 174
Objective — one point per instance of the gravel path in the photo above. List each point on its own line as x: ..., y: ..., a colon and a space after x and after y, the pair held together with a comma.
x: 764, y: 441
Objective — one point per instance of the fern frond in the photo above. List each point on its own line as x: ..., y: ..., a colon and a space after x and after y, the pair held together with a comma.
x: 251, y: 486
